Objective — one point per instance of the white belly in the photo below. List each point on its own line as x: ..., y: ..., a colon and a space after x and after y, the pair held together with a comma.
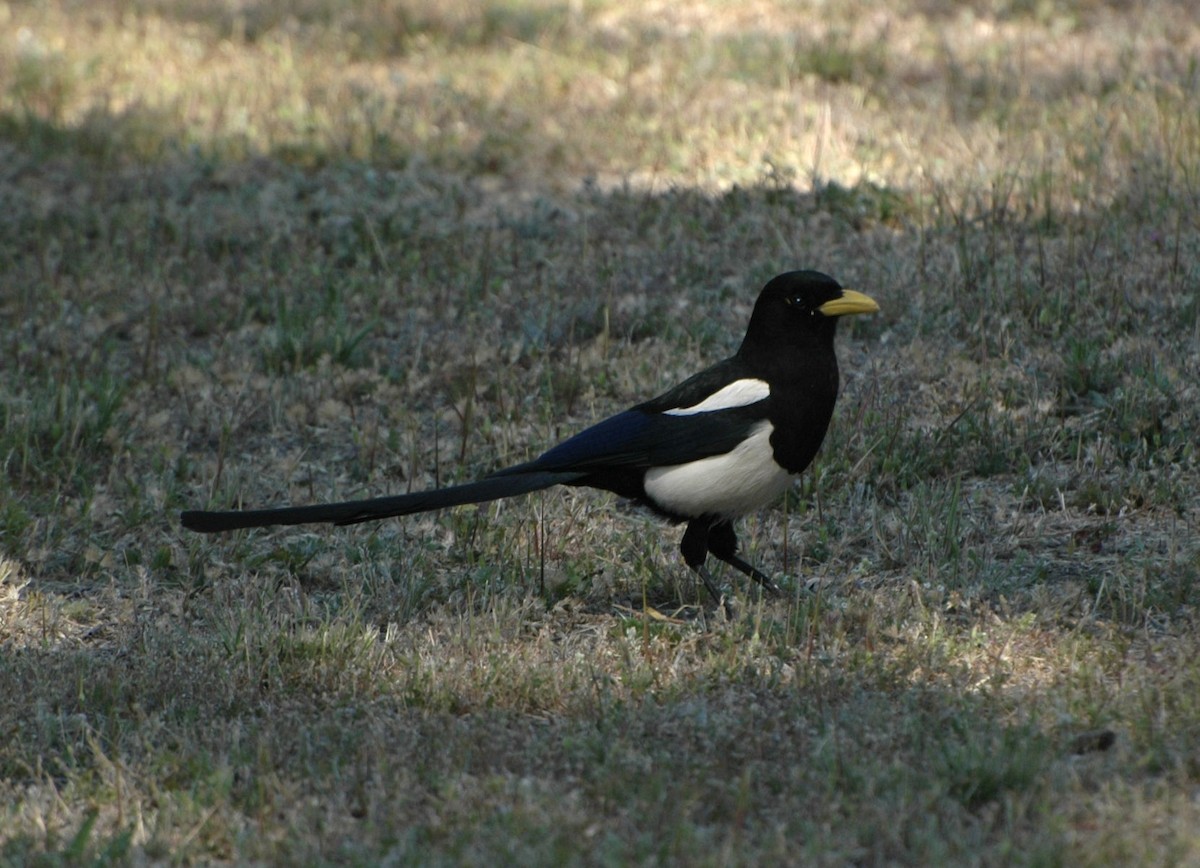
x: 740, y: 481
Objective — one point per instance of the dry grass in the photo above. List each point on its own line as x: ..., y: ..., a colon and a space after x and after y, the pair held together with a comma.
x: 267, y: 252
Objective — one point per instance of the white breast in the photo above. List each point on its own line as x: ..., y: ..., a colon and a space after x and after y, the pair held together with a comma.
x: 740, y: 481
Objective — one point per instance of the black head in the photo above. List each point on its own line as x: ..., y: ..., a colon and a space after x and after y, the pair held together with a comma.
x: 798, y: 311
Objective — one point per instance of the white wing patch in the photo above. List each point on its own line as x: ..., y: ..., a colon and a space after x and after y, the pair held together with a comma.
x: 742, y: 480
x: 739, y: 393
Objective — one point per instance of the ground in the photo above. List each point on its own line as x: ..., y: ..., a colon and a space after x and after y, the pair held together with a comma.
x: 264, y: 252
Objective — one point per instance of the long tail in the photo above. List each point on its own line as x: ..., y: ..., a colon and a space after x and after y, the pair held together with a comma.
x: 355, y: 511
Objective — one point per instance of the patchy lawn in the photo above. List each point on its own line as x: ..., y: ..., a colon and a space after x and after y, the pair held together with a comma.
x: 274, y: 252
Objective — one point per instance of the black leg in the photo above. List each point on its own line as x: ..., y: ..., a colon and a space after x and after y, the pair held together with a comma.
x: 722, y: 542
x: 694, y: 547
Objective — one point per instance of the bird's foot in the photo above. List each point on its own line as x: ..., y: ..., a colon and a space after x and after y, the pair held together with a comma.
x: 766, y: 583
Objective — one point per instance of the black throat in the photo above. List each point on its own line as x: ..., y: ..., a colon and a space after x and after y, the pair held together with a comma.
x: 801, y: 367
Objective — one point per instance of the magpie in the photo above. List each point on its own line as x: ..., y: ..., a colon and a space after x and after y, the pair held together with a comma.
x: 726, y: 441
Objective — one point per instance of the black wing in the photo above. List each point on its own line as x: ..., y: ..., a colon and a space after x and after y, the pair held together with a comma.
x: 648, y: 436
